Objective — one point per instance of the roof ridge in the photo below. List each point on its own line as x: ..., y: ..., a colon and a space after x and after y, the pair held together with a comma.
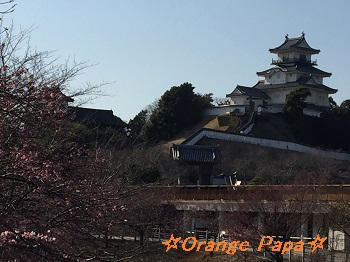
x: 196, y: 146
x: 300, y: 39
x: 89, y: 108
x: 295, y: 38
x: 295, y: 42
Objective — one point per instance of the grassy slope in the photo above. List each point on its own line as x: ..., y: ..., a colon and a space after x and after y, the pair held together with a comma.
x: 274, y: 165
x: 211, y: 122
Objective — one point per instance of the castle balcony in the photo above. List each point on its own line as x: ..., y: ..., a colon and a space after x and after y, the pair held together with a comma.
x: 293, y: 60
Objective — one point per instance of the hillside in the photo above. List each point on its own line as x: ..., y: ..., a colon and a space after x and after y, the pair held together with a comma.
x: 222, y: 123
x: 276, y: 166
x: 329, y: 132
x: 273, y: 127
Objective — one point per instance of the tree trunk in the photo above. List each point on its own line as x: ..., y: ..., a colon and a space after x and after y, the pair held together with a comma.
x: 106, y: 238
x: 212, y: 252
x: 142, y: 234
x: 278, y: 257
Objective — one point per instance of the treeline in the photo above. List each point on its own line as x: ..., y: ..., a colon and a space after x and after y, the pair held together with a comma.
x: 177, y: 109
x: 331, y: 130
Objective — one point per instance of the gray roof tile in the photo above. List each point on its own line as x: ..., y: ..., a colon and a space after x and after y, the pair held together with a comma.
x: 298, y: 43
x: 248, y: 91
x: 302, y: 81
x: 196, y: 153
x: 96, y: 116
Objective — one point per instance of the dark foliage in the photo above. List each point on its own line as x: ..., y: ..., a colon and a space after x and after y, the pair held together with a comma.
x: 178, y: 108
x: 295, y: 101
x: 331, y: 131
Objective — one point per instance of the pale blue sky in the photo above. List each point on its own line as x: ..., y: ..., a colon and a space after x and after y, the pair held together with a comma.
x: 145, y: 47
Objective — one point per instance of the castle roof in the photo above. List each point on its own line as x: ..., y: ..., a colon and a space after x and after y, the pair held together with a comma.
x: 305, y: 81
x: 196, y: 153
x: 297, y: 43
x: 248, y: 91
x: 298, y: 68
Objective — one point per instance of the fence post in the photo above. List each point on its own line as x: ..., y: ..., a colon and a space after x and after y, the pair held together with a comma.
x: 302, y: 250
x: 332, y: 254
x: 332, y: 247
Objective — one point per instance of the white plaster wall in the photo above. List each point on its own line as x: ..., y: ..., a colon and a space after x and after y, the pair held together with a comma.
x: 313, y: 99
x: 318, y: 98
x: 322, y: 99
x: 277, y: 96
x: 277, y: 78
x: 311, y: 112
x: 318, y: 80
x: 215, y: 111
x: 243, y: 100
x: 270, y: 109
x: 291, y: 77
x: 239, y: 100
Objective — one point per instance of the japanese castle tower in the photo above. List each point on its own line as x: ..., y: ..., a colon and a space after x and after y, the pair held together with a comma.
x: 293, y: 68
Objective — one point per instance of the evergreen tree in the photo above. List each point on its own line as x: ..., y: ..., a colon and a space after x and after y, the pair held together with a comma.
x: 178, y: 108
x: 295, y: 101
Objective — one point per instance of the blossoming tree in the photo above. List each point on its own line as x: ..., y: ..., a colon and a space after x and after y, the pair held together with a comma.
x: 53, y: 191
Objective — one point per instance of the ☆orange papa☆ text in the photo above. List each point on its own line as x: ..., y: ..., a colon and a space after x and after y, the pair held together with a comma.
x: 191, y: 244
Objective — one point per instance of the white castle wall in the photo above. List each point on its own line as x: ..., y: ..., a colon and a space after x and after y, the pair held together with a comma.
x: 265, y: 142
